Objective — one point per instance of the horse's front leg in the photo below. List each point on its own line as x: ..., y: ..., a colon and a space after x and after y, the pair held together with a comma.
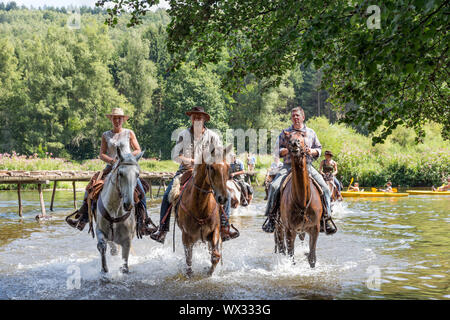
x: 313, y: 236
x: 125, y: 253
x: 290, y: 242
x: 188, y: 244
x: 214, y: 247
x: 101, y: 246
x: 279, y: 239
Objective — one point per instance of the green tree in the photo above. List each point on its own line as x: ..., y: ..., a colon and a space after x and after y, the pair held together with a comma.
x: 394, y: 72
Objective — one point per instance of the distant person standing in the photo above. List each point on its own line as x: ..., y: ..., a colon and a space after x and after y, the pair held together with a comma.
x: 251, y: 162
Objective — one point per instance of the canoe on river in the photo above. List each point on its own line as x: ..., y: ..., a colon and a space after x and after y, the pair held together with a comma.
x: 372, y: 194
x: 428, y: 192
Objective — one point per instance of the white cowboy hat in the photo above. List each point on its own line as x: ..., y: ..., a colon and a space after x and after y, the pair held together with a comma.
x: 117, y: 112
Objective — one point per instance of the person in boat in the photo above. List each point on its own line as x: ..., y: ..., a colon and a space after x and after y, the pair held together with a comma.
x: 388, y: 187
x: 271, y: 174
x: 238, y: 175
x: 314, y: 149
x: 444, y: 187
x: 328, y: 169
x: 185, y: 154
x: 126, y: 140
x: 354, y: 188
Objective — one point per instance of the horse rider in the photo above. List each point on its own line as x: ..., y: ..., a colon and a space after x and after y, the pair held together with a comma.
x: 328, y: 169
x: 313, y: 150
x: 271, y: 174
x: 126, y: 140
x: 191, y: 143
x: 238, y: 175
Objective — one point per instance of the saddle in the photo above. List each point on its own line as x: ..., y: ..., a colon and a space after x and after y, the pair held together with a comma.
x: 289, y: 176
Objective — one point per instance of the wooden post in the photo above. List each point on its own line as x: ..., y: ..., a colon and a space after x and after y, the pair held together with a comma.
x: 20, y: 200
x: 41, y: 199
x: 151, y: 193
x: 160, y: 183
x: 53, y: 195
x: 74, y: 195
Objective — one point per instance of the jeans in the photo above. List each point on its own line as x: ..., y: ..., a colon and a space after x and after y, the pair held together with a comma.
x: 319, y: 178
x: 338, y: 184
x: 274, y: 187
x: 165, y: 206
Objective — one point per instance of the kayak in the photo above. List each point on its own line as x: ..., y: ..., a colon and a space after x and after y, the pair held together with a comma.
x: 373, y: 194
x: 428, y: 192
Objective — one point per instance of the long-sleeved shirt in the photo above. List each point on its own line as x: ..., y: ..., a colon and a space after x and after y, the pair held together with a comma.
x: 190, y: 148
x: 311, y: 141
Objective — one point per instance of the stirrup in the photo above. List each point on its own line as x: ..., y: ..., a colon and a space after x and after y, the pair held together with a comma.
x: 226, y: 235
x: 269, y: 225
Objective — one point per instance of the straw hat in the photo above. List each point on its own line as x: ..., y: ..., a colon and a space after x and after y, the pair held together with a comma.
x: 117, y: 112
x: 198, y: 110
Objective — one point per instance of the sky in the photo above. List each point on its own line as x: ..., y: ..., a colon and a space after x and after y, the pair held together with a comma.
x: 65, y: 3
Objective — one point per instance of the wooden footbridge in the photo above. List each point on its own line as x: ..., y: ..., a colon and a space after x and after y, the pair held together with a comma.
x: 45, y: 177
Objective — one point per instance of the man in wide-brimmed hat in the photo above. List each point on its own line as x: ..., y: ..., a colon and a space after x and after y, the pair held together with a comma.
x: 126, y: 140
x: 185, y: 154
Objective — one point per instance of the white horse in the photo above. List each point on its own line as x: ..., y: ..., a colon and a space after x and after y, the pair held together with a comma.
x: 235, y: 193
x: 115, y: 215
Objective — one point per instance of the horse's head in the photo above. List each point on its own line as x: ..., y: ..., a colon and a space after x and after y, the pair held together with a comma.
x: 296, y: 144
x: 217, y: 172
x: 126, y: 177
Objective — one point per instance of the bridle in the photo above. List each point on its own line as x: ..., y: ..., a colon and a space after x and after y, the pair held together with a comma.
x: 103, y: 211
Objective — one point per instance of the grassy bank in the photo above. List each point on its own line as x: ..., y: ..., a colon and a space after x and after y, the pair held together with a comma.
x: 399, y: 159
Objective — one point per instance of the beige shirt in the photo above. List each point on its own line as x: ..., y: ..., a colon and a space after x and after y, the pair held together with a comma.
x: 190, y: 148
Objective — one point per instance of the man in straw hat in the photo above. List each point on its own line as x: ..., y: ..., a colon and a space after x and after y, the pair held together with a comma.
x: 184, y: 154
x: 126, y: 140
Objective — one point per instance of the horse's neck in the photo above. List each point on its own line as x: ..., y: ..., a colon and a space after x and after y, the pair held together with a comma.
x: 110, y: 196
x: 200, y: 180
x: 300, y: 181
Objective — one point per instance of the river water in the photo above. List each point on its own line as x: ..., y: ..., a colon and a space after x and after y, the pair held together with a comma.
x: 386, y: 248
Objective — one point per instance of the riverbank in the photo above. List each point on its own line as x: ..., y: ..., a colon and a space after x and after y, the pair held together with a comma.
x: 400, y: 159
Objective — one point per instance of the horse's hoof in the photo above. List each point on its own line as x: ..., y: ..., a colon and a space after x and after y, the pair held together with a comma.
x: 312, y: 265
x: 104, y: 271
x: 124, y: 270
x: 189, y: 273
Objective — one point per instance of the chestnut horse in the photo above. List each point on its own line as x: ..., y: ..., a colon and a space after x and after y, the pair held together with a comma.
x: 199, y: 207
x: 300, y: 203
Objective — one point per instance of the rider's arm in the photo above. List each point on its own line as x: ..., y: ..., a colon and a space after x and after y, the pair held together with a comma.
x: 103, y: 150
x: 335, y: 168
x: 179, y: 151
x: 134, y: 144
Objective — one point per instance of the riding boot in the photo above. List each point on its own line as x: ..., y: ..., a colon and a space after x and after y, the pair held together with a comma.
x: 81, y: 217
x: 329, y: 226
x: 269, y: 224
x: 160, y: 234
x: 227, y: 234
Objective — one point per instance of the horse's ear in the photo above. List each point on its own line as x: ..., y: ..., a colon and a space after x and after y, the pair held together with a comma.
x: 119, y: 154
x: 139, y: 156
x: 228, y: 149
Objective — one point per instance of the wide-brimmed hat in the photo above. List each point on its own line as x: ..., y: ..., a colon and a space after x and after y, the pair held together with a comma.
x: 328, y: 152
x: 199, y: 110
x: 117, y: 112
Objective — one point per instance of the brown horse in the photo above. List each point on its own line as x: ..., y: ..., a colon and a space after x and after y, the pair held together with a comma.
x: 199, y: 208
x: 300, y: 204
x: 335, y: 195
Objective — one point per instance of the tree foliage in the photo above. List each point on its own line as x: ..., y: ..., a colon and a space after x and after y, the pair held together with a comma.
x: 377, y: 77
